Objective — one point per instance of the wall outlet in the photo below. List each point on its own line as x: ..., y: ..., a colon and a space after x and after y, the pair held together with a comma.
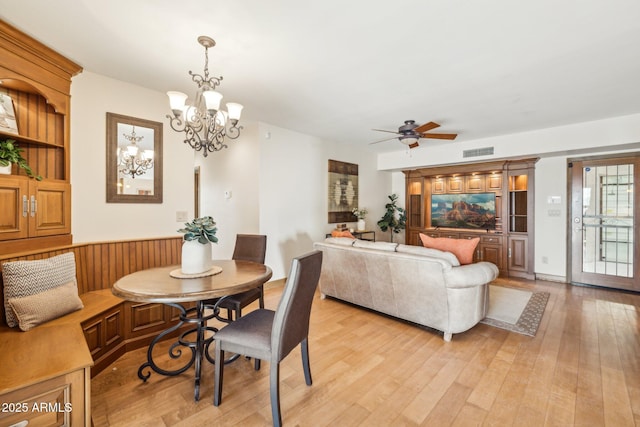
x: 182, y: 216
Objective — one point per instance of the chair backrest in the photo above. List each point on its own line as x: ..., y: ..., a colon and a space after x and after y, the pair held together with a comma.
x: 291, y: 321
x: 250, y: 247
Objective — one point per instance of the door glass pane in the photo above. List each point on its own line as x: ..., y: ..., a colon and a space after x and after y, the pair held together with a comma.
x: 608, y: 220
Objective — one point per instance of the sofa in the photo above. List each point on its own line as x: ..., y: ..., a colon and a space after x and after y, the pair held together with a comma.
x: 425, y: 286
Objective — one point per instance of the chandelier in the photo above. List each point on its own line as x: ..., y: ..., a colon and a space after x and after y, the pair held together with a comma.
x: 205, y: 125
x: 131, y: 160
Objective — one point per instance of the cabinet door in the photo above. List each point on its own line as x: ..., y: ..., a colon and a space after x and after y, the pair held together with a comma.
x: 49, y: 208
x: 494, y: 182
x: 455, y: 184
x: 517, y: 254
x: 474, y: 183
x: 491, y: 253
x: 104, y: 332
x: 438, y: 186
x: 13, y: 215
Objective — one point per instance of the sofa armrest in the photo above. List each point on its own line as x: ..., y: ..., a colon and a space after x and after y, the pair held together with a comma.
x: 466, y: 276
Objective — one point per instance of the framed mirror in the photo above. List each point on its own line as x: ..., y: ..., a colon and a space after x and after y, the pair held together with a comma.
x: 134, y: 160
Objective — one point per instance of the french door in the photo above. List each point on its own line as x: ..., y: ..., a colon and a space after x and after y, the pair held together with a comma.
x: 604, y: 236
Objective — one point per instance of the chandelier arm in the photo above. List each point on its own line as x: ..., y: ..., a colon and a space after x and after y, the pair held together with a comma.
x: 234, y: 132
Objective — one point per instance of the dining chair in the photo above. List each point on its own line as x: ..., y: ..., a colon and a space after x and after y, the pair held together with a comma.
x: 249, y: 247
x: 271, y: 335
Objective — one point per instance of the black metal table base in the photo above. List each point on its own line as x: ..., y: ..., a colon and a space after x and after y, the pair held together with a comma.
x: 199, y: 347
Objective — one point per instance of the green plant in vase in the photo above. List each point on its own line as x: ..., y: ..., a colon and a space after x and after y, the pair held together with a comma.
x: 196, y: 245
x: 201, y: 229
x: 11, y: 153
x: 394, y: 218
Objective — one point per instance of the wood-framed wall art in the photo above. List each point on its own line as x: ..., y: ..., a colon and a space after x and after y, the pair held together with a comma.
x: 342, y: 191
x: 123, y: 187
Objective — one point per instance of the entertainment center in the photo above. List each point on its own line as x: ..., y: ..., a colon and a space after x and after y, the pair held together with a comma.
x: 493, y: 201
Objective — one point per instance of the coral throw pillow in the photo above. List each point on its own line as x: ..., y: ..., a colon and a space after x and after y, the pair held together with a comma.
x: 461, y: 248
x: 336, y: 233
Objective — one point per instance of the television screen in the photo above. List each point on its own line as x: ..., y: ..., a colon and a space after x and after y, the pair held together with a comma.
x: 466, y: 210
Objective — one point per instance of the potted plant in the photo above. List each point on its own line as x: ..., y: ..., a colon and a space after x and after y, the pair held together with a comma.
x: 395, y: 218
x: 11, y: 153
x: 196, y: 245
x: 361, y: 214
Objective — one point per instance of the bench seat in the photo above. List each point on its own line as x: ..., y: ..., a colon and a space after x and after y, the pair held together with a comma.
x: 51, y: 364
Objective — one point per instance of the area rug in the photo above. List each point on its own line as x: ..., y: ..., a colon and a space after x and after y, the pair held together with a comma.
x: 515, y: 310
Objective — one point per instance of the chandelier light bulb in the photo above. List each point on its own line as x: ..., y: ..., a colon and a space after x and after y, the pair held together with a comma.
x: 235, y: 110
x: 212, y: 99
x: 177, y: 101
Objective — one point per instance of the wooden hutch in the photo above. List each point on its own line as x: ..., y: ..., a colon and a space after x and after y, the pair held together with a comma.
x: 510, y: 245
x: 36, y: 214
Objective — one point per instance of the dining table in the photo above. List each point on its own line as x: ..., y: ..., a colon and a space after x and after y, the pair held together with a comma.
x: 169, y: 286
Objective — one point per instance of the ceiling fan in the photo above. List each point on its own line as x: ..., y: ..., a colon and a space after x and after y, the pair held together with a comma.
x: 410, y: 133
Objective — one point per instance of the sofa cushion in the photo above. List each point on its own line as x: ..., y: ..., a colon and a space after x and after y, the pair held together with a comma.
x: 461, y: 248
x: 24, y: 278
x: 381, y: 246
x: 35, y: 309
x: 344, y: 241
x: 429, y: 252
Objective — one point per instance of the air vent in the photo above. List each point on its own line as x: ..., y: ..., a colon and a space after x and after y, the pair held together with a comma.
x: 486, y: 151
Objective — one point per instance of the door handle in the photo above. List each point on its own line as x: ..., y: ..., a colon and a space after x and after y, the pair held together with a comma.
x: 25, y: 206
x: 34, y: 206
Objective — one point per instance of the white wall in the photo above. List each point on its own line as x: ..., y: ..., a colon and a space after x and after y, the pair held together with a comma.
x: 93, y: 219
x: 278, y: 180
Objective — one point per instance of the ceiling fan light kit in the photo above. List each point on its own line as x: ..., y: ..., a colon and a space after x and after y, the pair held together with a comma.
x: 205, y: 125
x: 410, y: 133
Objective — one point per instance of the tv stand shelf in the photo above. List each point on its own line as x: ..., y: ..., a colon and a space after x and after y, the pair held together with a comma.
x: 505, y: 228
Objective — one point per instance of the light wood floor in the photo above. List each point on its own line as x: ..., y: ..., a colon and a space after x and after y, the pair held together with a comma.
x: 582, y: 368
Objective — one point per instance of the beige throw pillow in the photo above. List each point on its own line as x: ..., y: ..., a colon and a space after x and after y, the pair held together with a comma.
x: 24, y: 278
x: 35, y: 309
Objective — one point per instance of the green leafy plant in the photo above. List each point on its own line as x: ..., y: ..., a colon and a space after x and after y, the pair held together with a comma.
x: 395, y: 218
x: 11, y: 153
x: 201, y: 229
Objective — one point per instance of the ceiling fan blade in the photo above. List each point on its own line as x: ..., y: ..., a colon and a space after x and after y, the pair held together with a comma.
x: 439, y: 135
x: 390, y: 131
x: 382, y: 140
x: 426, y: 127
x: 414, y: 145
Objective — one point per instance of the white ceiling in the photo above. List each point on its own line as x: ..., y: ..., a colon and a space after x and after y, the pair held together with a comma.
x: 338, y: 68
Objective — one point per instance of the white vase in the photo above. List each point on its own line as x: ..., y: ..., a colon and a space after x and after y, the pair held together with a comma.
x: 5, y: 170
x: 361, y: 225
x: 196, y: 257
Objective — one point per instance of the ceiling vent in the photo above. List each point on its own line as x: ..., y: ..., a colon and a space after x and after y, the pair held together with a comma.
x: 486, y: 151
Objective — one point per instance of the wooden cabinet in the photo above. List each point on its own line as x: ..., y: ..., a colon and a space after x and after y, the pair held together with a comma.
x: 510, y: 245
x: 438, y: 186
x: 143, y: 321
x: 455, y: 184
x: 517, y: 256
x: 34, y: 208
x: 60, y: 401
x: 104, y: 335
x: 474, y: 183
x: 38, y: 80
